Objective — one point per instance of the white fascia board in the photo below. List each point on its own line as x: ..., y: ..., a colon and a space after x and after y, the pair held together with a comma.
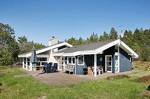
x: 63, y: 54
x: 45, y: 49
x: 24, y: 55
x: 54, y: 46
x: 118, y: 42
x: 134, y: 54
x: 88, y: 52
x: 57, y: 54
x: 69, y: 54
x: 42, y: 55
x: 101, y: 49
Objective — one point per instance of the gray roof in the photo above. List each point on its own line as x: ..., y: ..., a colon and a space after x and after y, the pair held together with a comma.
x: 86, y: 47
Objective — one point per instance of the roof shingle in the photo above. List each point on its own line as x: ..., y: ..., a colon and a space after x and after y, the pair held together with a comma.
x: 86, y: 47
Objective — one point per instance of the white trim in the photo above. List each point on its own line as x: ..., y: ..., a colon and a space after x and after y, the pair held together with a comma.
x: 119, y: 57
x: 23, y: 65
x: 71, y: 60
x: 45, y: 49
x: 106, y: 62
x: 30, y: 67
x: 26, y: 64
x: 134, y: 54
x: 95, y: 65
x: 101, y: 49
x: 44, y: 56
x: 64, y: 64
x: 75, y: 65
x: 87, y: 52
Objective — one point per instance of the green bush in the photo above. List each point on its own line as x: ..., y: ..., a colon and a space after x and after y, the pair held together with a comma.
x: 5, y: 57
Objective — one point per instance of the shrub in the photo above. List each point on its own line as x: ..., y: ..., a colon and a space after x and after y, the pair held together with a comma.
x: 117, y: 77
x: 142, y: 65
x: 148, y: 88
x: 0, y: 87
x: 144, y: 79
x: 5, y: 57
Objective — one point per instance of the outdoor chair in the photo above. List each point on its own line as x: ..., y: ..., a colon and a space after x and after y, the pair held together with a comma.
x: 45, y: 68
x: 70, y: 69
x: 54, y: 69
x: 99, y: 70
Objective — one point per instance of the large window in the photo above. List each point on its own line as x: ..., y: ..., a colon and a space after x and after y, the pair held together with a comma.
x: 71, y: 60
x: 80, y: 60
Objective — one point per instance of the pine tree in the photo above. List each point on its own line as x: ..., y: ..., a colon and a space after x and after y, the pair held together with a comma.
x: 72, y: 41
x: 80, y: 41
x: 113, y: 33
x: 104, y: 37
x: 93, y: 37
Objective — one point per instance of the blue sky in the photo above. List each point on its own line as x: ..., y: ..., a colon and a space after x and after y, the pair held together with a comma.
x: 41, y: 19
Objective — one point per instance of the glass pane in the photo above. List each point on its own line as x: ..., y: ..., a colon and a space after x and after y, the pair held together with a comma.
x: 69, y: 60
x: 73, y: 60
x: 109, y: 58
x: 108, y: 68
x: 109, y: 63
x: 80, y: 60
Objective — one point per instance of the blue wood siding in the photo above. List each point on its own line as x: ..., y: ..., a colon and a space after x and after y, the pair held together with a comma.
x: 110, y: 51
x: 79, y: 68
x: 125, y: 63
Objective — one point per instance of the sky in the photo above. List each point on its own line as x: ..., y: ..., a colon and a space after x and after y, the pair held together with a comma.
x: 39, y: 20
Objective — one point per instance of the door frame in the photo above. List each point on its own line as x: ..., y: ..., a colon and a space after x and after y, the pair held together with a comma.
x: 106, y: 62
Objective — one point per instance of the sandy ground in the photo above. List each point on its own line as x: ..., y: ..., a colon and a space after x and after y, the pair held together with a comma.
x: 65, y: 79
x: 59, y: 78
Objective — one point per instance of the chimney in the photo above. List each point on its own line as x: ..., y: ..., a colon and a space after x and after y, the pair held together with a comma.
x: 53, y: 41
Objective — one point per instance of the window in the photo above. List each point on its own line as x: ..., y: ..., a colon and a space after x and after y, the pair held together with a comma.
x: 65, y: 60
x: 71, y: 60
x: 80, y: 60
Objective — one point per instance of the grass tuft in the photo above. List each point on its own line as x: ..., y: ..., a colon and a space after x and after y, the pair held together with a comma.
x: 26, y: 87
x: 117, y: 77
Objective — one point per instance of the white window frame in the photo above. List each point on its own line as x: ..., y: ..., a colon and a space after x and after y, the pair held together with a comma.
x: 78, y: 60
x: 71, y: 61
x: 106, y: 62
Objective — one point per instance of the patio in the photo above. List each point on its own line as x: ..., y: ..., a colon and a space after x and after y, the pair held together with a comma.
x: 65, y: 79
x: 59, y: 78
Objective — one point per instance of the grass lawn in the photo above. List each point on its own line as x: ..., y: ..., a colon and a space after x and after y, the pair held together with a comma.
x: 14, y: 84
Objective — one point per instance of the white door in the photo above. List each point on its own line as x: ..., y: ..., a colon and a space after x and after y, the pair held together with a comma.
x: 108, y: 63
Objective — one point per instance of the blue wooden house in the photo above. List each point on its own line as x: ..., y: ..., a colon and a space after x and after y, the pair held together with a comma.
x: 109, y: 56
x: 95, y: 58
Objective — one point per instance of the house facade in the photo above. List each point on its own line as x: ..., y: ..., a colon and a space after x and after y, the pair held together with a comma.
x: 109, y: 56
